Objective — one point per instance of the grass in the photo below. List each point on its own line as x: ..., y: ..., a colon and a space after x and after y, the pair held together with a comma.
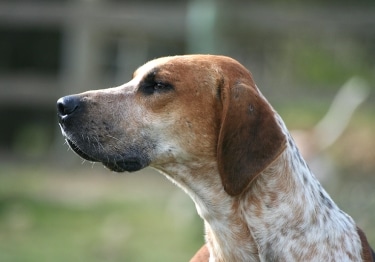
x: 49, y: 216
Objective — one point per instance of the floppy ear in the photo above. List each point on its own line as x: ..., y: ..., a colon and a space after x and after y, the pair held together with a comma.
x: 249, y: 138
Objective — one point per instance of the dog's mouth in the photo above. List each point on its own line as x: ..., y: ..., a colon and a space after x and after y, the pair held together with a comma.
x: 79, y: 152
x: 129, y: 164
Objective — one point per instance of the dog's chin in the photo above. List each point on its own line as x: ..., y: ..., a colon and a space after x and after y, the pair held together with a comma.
x: 129, y: 164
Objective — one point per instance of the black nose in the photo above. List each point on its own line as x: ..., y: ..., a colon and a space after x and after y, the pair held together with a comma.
x: 67, y: 105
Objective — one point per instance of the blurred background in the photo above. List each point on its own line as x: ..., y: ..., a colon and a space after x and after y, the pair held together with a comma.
x: 313, y: 60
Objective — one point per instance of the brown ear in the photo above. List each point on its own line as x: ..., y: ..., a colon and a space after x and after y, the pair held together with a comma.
x: 249, y: 138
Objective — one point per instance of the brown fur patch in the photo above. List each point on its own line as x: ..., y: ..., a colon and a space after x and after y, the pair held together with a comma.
x: 367, y: 253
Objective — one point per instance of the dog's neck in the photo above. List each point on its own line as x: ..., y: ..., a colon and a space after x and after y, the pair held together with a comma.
x: 285, y: 200
x: 286, y: 206
x: 227, y: 234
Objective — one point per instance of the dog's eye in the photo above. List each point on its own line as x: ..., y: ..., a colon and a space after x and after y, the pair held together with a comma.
x: 159, y: 86
x: 154, y: 87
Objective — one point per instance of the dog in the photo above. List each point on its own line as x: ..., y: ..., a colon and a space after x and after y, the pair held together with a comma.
x: 202, y: 122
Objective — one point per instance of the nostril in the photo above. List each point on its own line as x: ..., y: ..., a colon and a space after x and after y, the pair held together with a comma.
x: 60, y: 107
x: 67, y: 105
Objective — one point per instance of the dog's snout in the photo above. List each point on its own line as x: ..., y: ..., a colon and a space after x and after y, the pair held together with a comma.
x: 67, y: 105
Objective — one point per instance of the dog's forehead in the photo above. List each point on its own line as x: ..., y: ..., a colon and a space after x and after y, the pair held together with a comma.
x: 182, y: 61
x: 151, y: 66
x: 202, y: 62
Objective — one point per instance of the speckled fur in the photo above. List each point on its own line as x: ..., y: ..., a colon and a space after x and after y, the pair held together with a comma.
x: 292, y: 218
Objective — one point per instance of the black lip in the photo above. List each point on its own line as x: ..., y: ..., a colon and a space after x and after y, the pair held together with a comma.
x: 130, y: 164
x: 80, y: 152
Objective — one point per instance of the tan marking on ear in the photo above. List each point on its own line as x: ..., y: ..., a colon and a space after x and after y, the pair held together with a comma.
x: 250, y: 138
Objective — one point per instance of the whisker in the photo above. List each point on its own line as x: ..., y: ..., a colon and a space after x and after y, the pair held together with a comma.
x: 112, y: 137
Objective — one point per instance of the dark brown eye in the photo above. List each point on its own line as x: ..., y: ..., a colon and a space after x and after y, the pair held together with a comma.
x: 149, y: 88
x: 159, y: 86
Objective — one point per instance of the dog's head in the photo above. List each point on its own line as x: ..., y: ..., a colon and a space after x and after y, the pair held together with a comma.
x: 177, y: 109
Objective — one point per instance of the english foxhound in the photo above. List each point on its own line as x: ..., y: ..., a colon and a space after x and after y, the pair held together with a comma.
x: 202, y: 122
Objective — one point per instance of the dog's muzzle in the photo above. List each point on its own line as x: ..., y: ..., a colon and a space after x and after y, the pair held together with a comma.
x: 70, y: 112
x: 66, y: 108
